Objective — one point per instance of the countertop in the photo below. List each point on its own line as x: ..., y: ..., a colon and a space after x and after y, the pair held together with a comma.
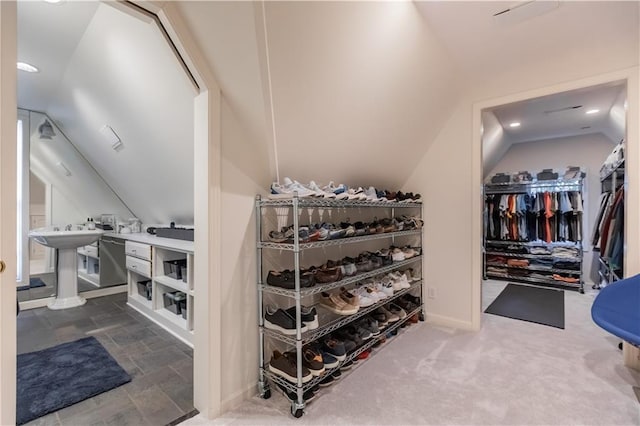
x: 146, y: 238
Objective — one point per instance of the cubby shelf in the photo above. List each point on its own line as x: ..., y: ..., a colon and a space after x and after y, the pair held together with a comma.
x: 148, y: 257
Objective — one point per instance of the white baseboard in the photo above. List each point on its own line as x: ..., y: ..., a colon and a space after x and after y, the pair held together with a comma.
x: 108, y: 291
x: 445, y: 321
x: 35, y: 303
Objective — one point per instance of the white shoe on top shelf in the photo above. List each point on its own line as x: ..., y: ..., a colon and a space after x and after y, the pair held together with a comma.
x: 287, y: 189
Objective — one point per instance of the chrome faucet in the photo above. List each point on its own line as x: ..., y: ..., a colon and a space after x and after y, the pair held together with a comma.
x: 55, y: 228
x: 68, y: 227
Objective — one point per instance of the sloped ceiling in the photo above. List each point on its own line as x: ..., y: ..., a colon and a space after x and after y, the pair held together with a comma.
x: 494, y: 56
x: 48, y: 36
x: 123, y: 74
x: 359, y: 89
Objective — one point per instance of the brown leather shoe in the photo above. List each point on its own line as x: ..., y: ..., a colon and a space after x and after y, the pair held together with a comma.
x: 328, y: 275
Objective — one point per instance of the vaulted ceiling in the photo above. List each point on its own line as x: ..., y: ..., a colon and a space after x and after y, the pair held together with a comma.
x: 357, y: 90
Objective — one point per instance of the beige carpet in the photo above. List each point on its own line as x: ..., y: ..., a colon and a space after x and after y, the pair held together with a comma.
x: 510, y: 373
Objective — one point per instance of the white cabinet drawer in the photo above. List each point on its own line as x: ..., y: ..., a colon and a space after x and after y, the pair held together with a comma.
x: 140, y: 266
x: 91, y: 251
x: 143, y: 251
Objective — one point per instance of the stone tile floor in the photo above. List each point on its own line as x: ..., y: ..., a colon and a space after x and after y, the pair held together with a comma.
x: 161, y: 366
x: 50, y: 287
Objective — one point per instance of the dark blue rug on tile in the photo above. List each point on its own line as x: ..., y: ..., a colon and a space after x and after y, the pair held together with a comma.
x: 54, y: 378
x: 33, y: 283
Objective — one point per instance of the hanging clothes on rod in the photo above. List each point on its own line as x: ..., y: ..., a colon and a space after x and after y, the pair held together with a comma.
x: 545, y: 216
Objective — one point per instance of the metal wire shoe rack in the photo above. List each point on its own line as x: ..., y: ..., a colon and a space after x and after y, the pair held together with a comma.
x: 292, y: 209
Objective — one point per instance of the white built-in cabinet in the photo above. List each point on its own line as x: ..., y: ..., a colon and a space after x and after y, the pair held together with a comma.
x: 89, y: 264
x: 146, y: 270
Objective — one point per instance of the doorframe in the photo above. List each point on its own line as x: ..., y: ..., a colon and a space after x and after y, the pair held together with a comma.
x: 207, y: 211
x: 632, y: 177
x: 8, y: 199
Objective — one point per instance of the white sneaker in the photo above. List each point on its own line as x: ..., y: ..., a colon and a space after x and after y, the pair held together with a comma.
x: 320, y: 192
x: 356, y: 194
x: 339, y: 191
x: 400, y: 279
x: 373, y: 291
x: 365, y: 297
x: 397, y: 255
x: 386, y: 287
x: 395, y: 282
x: 287, y: 189
x: 371, y: 194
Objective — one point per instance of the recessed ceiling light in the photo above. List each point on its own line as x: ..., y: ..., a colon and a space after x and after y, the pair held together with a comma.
x: 23, y: 66
x: 592, y: 111
x: 53, y: 1
x: 515, y: 124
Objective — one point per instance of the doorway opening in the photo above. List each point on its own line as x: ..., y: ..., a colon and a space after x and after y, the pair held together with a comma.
x: 626, y: 78
x: 87, y: 175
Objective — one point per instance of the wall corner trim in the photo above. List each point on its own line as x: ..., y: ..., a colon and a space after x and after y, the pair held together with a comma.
x: 445, y: 321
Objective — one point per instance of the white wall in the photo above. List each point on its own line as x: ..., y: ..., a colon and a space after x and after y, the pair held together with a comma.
x: 587, y: 151
x: 495, y: 142
x: 354, y: 84
x: 124, y: 74
x: 618, y: 117
x: 448, y: 228
x: 64, y: 211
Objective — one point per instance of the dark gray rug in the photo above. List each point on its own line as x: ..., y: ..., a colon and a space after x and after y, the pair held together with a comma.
x: 534, y: 304
x: 57, y: 377
x: 33, y: 283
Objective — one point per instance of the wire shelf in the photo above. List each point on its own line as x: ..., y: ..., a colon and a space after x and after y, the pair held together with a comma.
x: 550, y: 281
x: 332, y: 203
x: 532, y: 256
x: 339, y: 322
x: 536, y: 268
x: 617, y: 168
x: 337, y: 242
x: 557, y: 185
x: 305, y: 292
x: 534, y: 243
x: 306, y: 386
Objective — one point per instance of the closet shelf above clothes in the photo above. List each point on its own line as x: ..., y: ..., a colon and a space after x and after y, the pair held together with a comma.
x: 535, y: 268
x: 617, y: 169
x: 537, y: 186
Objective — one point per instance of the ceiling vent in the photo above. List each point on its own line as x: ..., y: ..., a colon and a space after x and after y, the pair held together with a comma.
x: 569, y: 108
x: 524, y: 11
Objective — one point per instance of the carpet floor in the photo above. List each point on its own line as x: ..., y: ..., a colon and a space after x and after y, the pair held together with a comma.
x: 509, y: 373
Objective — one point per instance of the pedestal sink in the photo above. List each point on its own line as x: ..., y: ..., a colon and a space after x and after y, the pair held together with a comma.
x: 66, y: 243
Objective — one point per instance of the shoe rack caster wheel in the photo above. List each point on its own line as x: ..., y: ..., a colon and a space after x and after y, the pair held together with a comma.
x: 266, y: 394
x: 582, y: 291
x: 421, y: 317
x: 297, y: 413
